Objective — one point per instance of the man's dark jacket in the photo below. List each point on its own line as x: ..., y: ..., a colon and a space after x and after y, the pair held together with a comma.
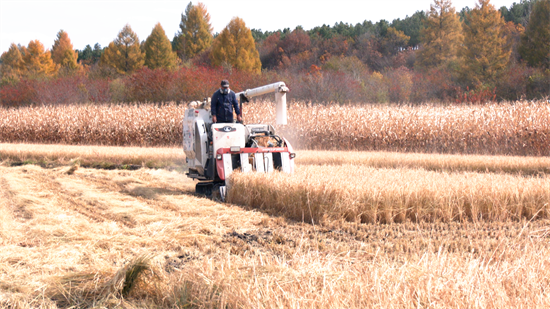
x: 222, y: 106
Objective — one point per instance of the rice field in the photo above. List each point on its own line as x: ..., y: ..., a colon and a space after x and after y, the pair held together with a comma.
x: 381, y: 195
x: 91, y: 156
x: 173, y: 157
x: 77, y: 237
x: 398, y: 227
x: 433, y: 162
x: 514, y: 128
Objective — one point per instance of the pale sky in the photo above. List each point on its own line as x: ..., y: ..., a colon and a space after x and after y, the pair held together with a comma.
x: 90, y: 22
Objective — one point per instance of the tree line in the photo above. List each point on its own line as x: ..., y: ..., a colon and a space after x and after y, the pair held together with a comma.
x: 465, y: 54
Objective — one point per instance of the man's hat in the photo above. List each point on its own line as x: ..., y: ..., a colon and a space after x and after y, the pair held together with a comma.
x: 225, y: 83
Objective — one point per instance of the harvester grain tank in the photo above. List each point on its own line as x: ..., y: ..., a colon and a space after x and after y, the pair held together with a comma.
x: 215, y: 150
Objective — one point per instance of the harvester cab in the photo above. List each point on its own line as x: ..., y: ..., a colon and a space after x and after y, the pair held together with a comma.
x: 215, y: 150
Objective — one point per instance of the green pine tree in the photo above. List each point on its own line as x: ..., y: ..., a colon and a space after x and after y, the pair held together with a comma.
x: 97, y: 53
x: 85, y: 55
x: 535, y: 42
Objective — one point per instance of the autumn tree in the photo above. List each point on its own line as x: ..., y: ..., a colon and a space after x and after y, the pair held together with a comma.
x: 198, y: 34
x: 368, y: 48
x: 124, y: 53
x: 268, y: 50
x: 158, y: 50
x: 441, y: 36
x: 234, y: 47
x: 394, y: 41
x: 178, y: 43
x: 12, y: 65
x: 535, y: 42
x: 513, y: 33
x: 337, y: 46
x: 195, y: 35
x: 484, y: 55
x: 411, y: 26
x: 63, y: 53
x: 294, y: 50
x: 37, y: 62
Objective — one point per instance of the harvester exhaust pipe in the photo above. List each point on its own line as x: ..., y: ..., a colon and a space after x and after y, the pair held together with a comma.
x: 280, y: 90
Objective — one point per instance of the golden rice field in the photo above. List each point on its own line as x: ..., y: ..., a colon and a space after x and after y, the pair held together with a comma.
x: 372, y: 195
x: 515, y: 128
x: 347, y: 230
x: 433, y: 162
x: 170, y: 157
x: 125, y: 239
x: 91, y: 156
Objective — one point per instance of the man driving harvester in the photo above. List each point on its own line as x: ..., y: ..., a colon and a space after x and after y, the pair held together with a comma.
x: 223, y: 102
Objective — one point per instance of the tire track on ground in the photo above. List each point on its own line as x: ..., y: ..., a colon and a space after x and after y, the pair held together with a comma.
x: 166, y: 186
x: 19, y: 211
x: 94, y: 211
x: 112, y: 186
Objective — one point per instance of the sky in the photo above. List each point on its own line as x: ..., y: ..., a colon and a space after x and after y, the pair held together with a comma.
x: 99, y: 21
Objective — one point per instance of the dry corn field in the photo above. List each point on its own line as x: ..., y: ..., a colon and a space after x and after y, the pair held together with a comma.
x: 347, y: 230
x: 518, y: 128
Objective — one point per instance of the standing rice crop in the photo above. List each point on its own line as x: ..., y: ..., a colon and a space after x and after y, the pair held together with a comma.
x: 369, y: 195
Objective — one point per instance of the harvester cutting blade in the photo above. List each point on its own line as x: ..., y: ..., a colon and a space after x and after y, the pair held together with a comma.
x: 204, y: 188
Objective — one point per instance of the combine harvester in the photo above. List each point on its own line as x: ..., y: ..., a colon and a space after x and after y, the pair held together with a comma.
x: 215, y: 150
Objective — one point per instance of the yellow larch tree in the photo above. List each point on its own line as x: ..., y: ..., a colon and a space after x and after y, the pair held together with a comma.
x: 37, y: 62
x: 394, y: 40
x: 124, y: 54
x: 12, y: 65
x: 179, y: 39
x: 196, y: 30
x: 63, y: 53
x: 158, y: 50
x: 441, y: 36
x: 234, y: 47
x: 483, y: 55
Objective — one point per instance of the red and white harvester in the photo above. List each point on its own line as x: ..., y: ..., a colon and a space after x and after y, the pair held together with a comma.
x: 215, y: 150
